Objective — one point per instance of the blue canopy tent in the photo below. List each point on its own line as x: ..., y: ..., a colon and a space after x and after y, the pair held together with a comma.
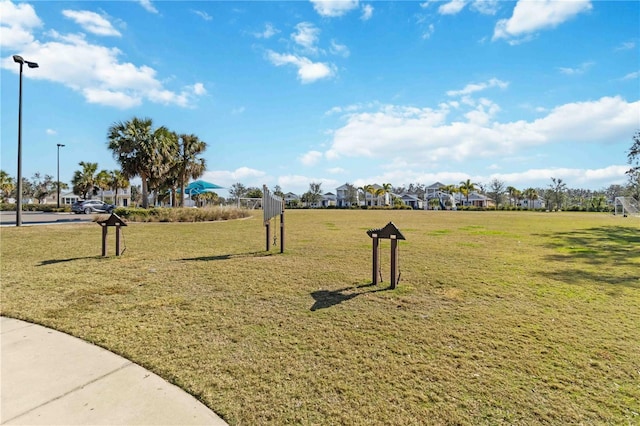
x: 200, y: 186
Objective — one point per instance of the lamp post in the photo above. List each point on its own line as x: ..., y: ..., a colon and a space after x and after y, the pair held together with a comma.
x: 30, y: 64
x: 58, y: 185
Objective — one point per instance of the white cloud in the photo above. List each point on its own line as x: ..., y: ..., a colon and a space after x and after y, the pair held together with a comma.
x: 452, y: 8
x: 632, y: 75
x: 336, y: 170
x: 308, y: 71
x: 476, y: 87
x: 486, y: 7
x: 17, y: 23
x: 367, y: 12
x: 238, y: 110
x: 429, y: 32
x: 530, y: 16
x: 268, y: 32
x: 203, y: 15
x: 51, y: 132
x: 311, y: 158
x: 426, y: 136
x: 100, y: 77
x: 92, y: 22
x: 628, y: 45
x: 299, y: 184
x: 334, y: 8
x: 339, y: 49
x: 576, y: 71
x: 148, y: 6
x: 306, y: 35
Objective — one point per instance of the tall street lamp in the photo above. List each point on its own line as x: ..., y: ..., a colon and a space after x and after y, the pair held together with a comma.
x: 30, y: 64
x: 58, y: 185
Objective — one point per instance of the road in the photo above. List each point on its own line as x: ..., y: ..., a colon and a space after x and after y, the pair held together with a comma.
x: 41, y: 218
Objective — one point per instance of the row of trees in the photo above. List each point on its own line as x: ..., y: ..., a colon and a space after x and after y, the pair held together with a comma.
x: 38, y: 187
x: 163, y: 160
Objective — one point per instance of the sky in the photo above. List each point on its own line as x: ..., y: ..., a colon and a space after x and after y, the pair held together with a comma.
x: 292, y: 92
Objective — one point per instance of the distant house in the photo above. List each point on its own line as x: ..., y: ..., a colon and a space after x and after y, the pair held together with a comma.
x: 67, y: 198
x: 342, y: 196
x: 328, y: 200
x: 291, y: 199
x: 411, y: 200
x: 475, y: 200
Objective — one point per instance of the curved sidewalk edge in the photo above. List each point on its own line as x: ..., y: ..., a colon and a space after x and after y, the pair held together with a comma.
x: 50, y: 378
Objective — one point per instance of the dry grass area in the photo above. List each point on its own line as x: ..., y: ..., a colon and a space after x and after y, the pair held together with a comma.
x: 499, y: 317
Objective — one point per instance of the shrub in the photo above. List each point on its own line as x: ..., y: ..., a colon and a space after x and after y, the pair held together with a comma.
x: 162, y: 214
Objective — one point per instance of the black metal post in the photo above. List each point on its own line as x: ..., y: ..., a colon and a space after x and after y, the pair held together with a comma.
x: 58, y: 197
x: 19, y: 197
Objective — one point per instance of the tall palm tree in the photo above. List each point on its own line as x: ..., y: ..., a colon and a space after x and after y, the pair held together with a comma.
x: 141, y: 151
x: 189, y: 164
x: 466, y: 187
x: 117, y: 180
x: 530, y: 194
x: 511, y: 191
x: 84, y: 181
x: 380, y: 192
x: 6, y: 185
x: 103, y: 179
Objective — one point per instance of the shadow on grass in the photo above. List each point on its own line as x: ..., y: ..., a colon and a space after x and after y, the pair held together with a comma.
x: 603, y: 247
x: 328, y: 298
x: 54, y: 261
x: 230, y: 256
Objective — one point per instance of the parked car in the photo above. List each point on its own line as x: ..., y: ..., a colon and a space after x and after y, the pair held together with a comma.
x: 91, y: 206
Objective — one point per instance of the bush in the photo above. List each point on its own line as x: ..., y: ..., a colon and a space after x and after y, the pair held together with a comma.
x: 48, y: 208
x: 162, y: 214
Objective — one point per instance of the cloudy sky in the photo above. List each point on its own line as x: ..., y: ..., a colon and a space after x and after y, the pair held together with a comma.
x: 287, y: 93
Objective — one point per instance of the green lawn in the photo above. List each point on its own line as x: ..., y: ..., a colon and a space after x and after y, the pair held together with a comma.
x: 499, y: 317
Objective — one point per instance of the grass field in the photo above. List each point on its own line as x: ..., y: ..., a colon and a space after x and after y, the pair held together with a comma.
x: 499, y: 317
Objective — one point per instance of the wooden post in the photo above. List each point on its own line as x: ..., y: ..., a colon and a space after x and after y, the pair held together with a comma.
x: 104, y: 240
x: 267, y: 227
x: 117, y: 240
x: 282, y: 229
x: 394, y: 261
x: 376, y: 261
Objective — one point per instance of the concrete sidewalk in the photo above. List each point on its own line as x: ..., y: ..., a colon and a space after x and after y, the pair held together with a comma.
x: 51, y: 378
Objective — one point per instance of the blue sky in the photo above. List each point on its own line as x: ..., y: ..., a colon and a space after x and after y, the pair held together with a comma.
x: 292, y: 92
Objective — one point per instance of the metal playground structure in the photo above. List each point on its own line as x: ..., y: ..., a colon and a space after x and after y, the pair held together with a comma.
x: 272, y: 206
x: 627, y: 206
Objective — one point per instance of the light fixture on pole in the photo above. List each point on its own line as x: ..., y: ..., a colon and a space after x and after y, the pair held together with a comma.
x: 30, y: 64
x: 58, y: 185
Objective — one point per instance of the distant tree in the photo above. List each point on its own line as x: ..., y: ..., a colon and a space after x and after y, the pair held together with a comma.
x: 370, y: 189
x: 531, y: 195
x: 42, y: 186
x: 466, y: 188
x: 380, y: 193
x: 613, y: 191
x: 189, y: 163
x: 237, y: 191
x: 633, y: 157
x: 511, y: 191
x: 102, y: 182
x: 7, y: 185
x: 84, y: 180
x: 277, y: 191
x: 351, y: 194
x: 253, y: 192
x: 558, y: 188
x: 496, y: 191
x: 136, y: 194
x: 117, y: 180
x: 315, y: 192
x: 142, y: 151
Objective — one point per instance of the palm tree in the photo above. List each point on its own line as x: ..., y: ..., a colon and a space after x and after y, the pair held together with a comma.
x: 371, y: 190
x: 7, y: 185
x: 84, y: 181
x: 466, y: 187
x: 386, y: 188
x: 530, y: 194
x: 116, y: 181
x: 511, y: 191
x: 103, y: 179
x: 188, y: 164
x: 380, y: 192
x: 141, y: 151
